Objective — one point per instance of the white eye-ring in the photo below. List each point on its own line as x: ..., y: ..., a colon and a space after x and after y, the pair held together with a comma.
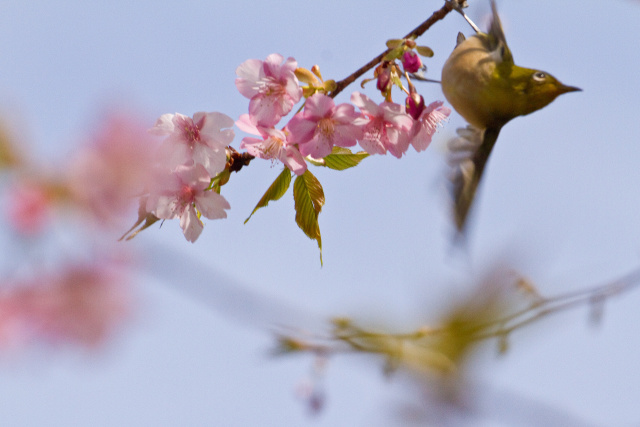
x: 539, y: 76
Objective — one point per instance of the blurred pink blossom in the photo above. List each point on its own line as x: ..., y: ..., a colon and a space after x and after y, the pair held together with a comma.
x: 106, y: 177
x: 28, y: 208
x: 201, y: 140
x: 81, y: 305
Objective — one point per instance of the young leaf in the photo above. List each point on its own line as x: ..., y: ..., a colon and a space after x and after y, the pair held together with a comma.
x: 143, y: 216
x: 342, y: 158
x: 425, y: 51
x: 309, y: 198
x: 274, y: 192
x: 394, y: 43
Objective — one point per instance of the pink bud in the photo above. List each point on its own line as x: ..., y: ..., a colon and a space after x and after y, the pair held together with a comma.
x: 384, y: 77
x: 414, y: 105
x: 411, y: 62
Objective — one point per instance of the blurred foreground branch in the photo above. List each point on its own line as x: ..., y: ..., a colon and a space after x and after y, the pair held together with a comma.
x: 493, y: 312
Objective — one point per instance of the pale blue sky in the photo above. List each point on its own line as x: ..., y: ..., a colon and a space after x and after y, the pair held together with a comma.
x: 559, y: 203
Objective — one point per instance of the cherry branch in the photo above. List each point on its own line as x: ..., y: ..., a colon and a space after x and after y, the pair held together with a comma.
x: 416, y: 32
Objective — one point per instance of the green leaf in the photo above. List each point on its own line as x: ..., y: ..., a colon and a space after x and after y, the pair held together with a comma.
x: 342, y: 158
x: 143, y: 216
x: 309, y: 198
x: 393, y: 54
x: 394, y: 43
x: 425, y: 51
x: 275, y: 191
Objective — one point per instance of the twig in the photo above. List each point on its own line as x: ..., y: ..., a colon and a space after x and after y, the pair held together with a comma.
x: 416, y: 32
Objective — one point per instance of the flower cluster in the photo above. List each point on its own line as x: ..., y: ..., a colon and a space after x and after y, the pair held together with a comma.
x: 192, y: 154
x: 273, y: 89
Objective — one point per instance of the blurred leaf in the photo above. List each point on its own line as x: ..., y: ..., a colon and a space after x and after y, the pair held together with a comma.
x: 143, y: 216
x: 424, y: 51
x: 342, y: 158
x: 309, y: 198
x: 394, y: 43
x: 9, y: 156
x: 394, y: 54
x: 274, y: 192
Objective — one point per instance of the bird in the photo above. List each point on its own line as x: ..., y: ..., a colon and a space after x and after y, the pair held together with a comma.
x: 482, y: 83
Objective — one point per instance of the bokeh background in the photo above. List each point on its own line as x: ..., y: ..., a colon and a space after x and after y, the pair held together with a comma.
x: 558, y: 205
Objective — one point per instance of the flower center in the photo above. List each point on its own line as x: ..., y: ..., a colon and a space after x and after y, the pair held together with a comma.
x: 271, y: 87
x: 271, y: 147
x: 187, y: 195
x: 326, y: 128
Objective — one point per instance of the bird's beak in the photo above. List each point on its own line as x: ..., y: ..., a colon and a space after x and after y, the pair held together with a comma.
x: 566, y: 89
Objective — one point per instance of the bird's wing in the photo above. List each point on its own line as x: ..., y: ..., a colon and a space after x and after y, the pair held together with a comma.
x: 468, y: 155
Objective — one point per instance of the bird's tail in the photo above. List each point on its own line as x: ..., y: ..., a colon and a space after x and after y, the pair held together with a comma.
x: 468, y: 155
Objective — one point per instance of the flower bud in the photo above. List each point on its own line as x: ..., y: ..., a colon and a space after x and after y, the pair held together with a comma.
x: 411, y: 62
x: 414, y: 105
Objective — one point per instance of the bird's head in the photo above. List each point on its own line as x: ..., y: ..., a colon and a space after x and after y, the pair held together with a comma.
x: 538, y: 88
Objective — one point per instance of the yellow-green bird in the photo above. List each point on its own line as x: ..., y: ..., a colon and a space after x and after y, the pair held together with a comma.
x: 482, y: 83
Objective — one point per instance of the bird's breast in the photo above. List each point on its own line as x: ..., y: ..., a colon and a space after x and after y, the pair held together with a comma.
x: 469, y: 83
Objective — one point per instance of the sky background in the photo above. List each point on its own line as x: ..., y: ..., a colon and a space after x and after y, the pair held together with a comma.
x: 558, y: 204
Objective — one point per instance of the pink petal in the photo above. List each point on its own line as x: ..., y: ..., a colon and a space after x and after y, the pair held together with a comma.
x: 319, y: 106
x: 301, y: 129
x: 163, y: 126
x: 191, y: 225
x: 365, y: 104
x: 249, y: 73
x: 245, y: 124
x: 272, y: 65
x: 212, y: 205
x: 294, y: 161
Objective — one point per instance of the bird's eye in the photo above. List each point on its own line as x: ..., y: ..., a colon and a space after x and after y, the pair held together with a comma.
x: 539, y: 76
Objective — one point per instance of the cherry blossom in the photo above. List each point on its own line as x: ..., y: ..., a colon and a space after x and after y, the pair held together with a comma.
x: 386, y: 126
x: 273, y: 145
x: 202, y: 139
x: 426, y: 124
x: 28, y: 208
x: 105, y: 176
x: 82, y: 304
x: 183, y: 194
x: 322, y: 125
x: 272, y: 87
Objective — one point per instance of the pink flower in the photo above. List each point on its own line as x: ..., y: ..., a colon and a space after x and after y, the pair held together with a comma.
x: 426, y: 124
x: 201, y: 140
x: 386, y: 126
x: 411, y: 62
x: 271, y: 86
x: 322, y: 125
x: 28, y: 208
x: 182, y: 195
x: 81, y: 305
x: 105, y: 177
x: 272, y: 145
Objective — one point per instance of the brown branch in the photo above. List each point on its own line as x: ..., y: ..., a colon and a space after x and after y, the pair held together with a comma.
x: 416, y: 32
